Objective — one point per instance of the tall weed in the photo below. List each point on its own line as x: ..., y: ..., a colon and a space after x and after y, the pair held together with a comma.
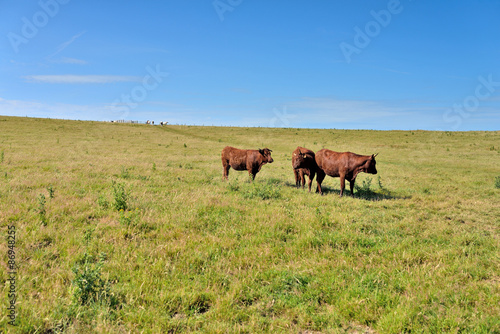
x: 88, y: 284
x: 120, y: 196
x: 41, y: 205
x: 51, y: 191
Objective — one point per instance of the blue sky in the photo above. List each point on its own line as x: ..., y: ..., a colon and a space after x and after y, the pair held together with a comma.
x: 346, y: 64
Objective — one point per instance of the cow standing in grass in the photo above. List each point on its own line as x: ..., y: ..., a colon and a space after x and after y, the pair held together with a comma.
x: 250, y: 160
x: 303, y: 163
x: 345, y: 165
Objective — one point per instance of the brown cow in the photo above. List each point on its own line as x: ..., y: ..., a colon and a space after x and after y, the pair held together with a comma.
x: 250, y: 160
x: 345, y: 165
x: 303, y: 163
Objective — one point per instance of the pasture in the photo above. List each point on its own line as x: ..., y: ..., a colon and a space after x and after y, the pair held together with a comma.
x: 125, y: 228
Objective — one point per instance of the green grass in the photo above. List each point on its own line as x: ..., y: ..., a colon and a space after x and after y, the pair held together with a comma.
x: 130, y: 228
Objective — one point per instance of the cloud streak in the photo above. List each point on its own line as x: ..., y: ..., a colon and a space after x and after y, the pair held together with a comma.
x: 67, y: 60
x: 64, y: 45
x: 9, y: 107
x: 81, y: 79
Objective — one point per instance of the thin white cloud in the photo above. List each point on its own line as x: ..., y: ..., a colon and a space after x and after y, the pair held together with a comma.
x: 57, y: 110
x: 81, y: 79
x: 67, y: 60
x: 67, y: 43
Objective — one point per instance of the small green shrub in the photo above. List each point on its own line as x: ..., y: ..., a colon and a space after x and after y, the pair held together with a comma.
x: 2, y: 155
x: 41, y: 205
x: 51, y: 191
x: 379, y: 180
x: 120, y: 196
x: 497, y: 182
x: 365, y: 186
x: 88, y: 285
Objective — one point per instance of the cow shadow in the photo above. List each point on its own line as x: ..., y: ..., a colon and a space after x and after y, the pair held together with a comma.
x: 375, y: 196
x: 278, y: 182
x: 363, y: 194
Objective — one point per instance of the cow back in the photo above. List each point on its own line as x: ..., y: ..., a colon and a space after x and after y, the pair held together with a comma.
x: 235, y: 157
x: 330, y: 162
x: 344, y: 163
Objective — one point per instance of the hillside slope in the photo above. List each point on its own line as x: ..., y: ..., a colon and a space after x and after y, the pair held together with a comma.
x: 130, y: 228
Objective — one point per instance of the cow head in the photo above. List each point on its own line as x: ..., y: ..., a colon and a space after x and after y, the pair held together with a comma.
x: 298, y: 159
x: 369, y: 166
x: 266, y: 153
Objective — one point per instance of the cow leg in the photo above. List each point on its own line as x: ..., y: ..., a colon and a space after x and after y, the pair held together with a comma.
x: 311, y: 177
x: 297, y: 180
x: 302, y: 178
x: 351, y: 183
x: 319, y: 180
x: 342, y: 185
x: 225, y: 168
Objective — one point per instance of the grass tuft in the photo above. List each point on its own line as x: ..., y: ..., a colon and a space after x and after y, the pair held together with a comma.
x: 41, y: 205
x: 51, y: 191
x: 262, y: 191
x: 120, y: 196
x: 88, y: 285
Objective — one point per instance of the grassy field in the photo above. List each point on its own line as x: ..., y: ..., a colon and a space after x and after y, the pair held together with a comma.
x: 130, y: 228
